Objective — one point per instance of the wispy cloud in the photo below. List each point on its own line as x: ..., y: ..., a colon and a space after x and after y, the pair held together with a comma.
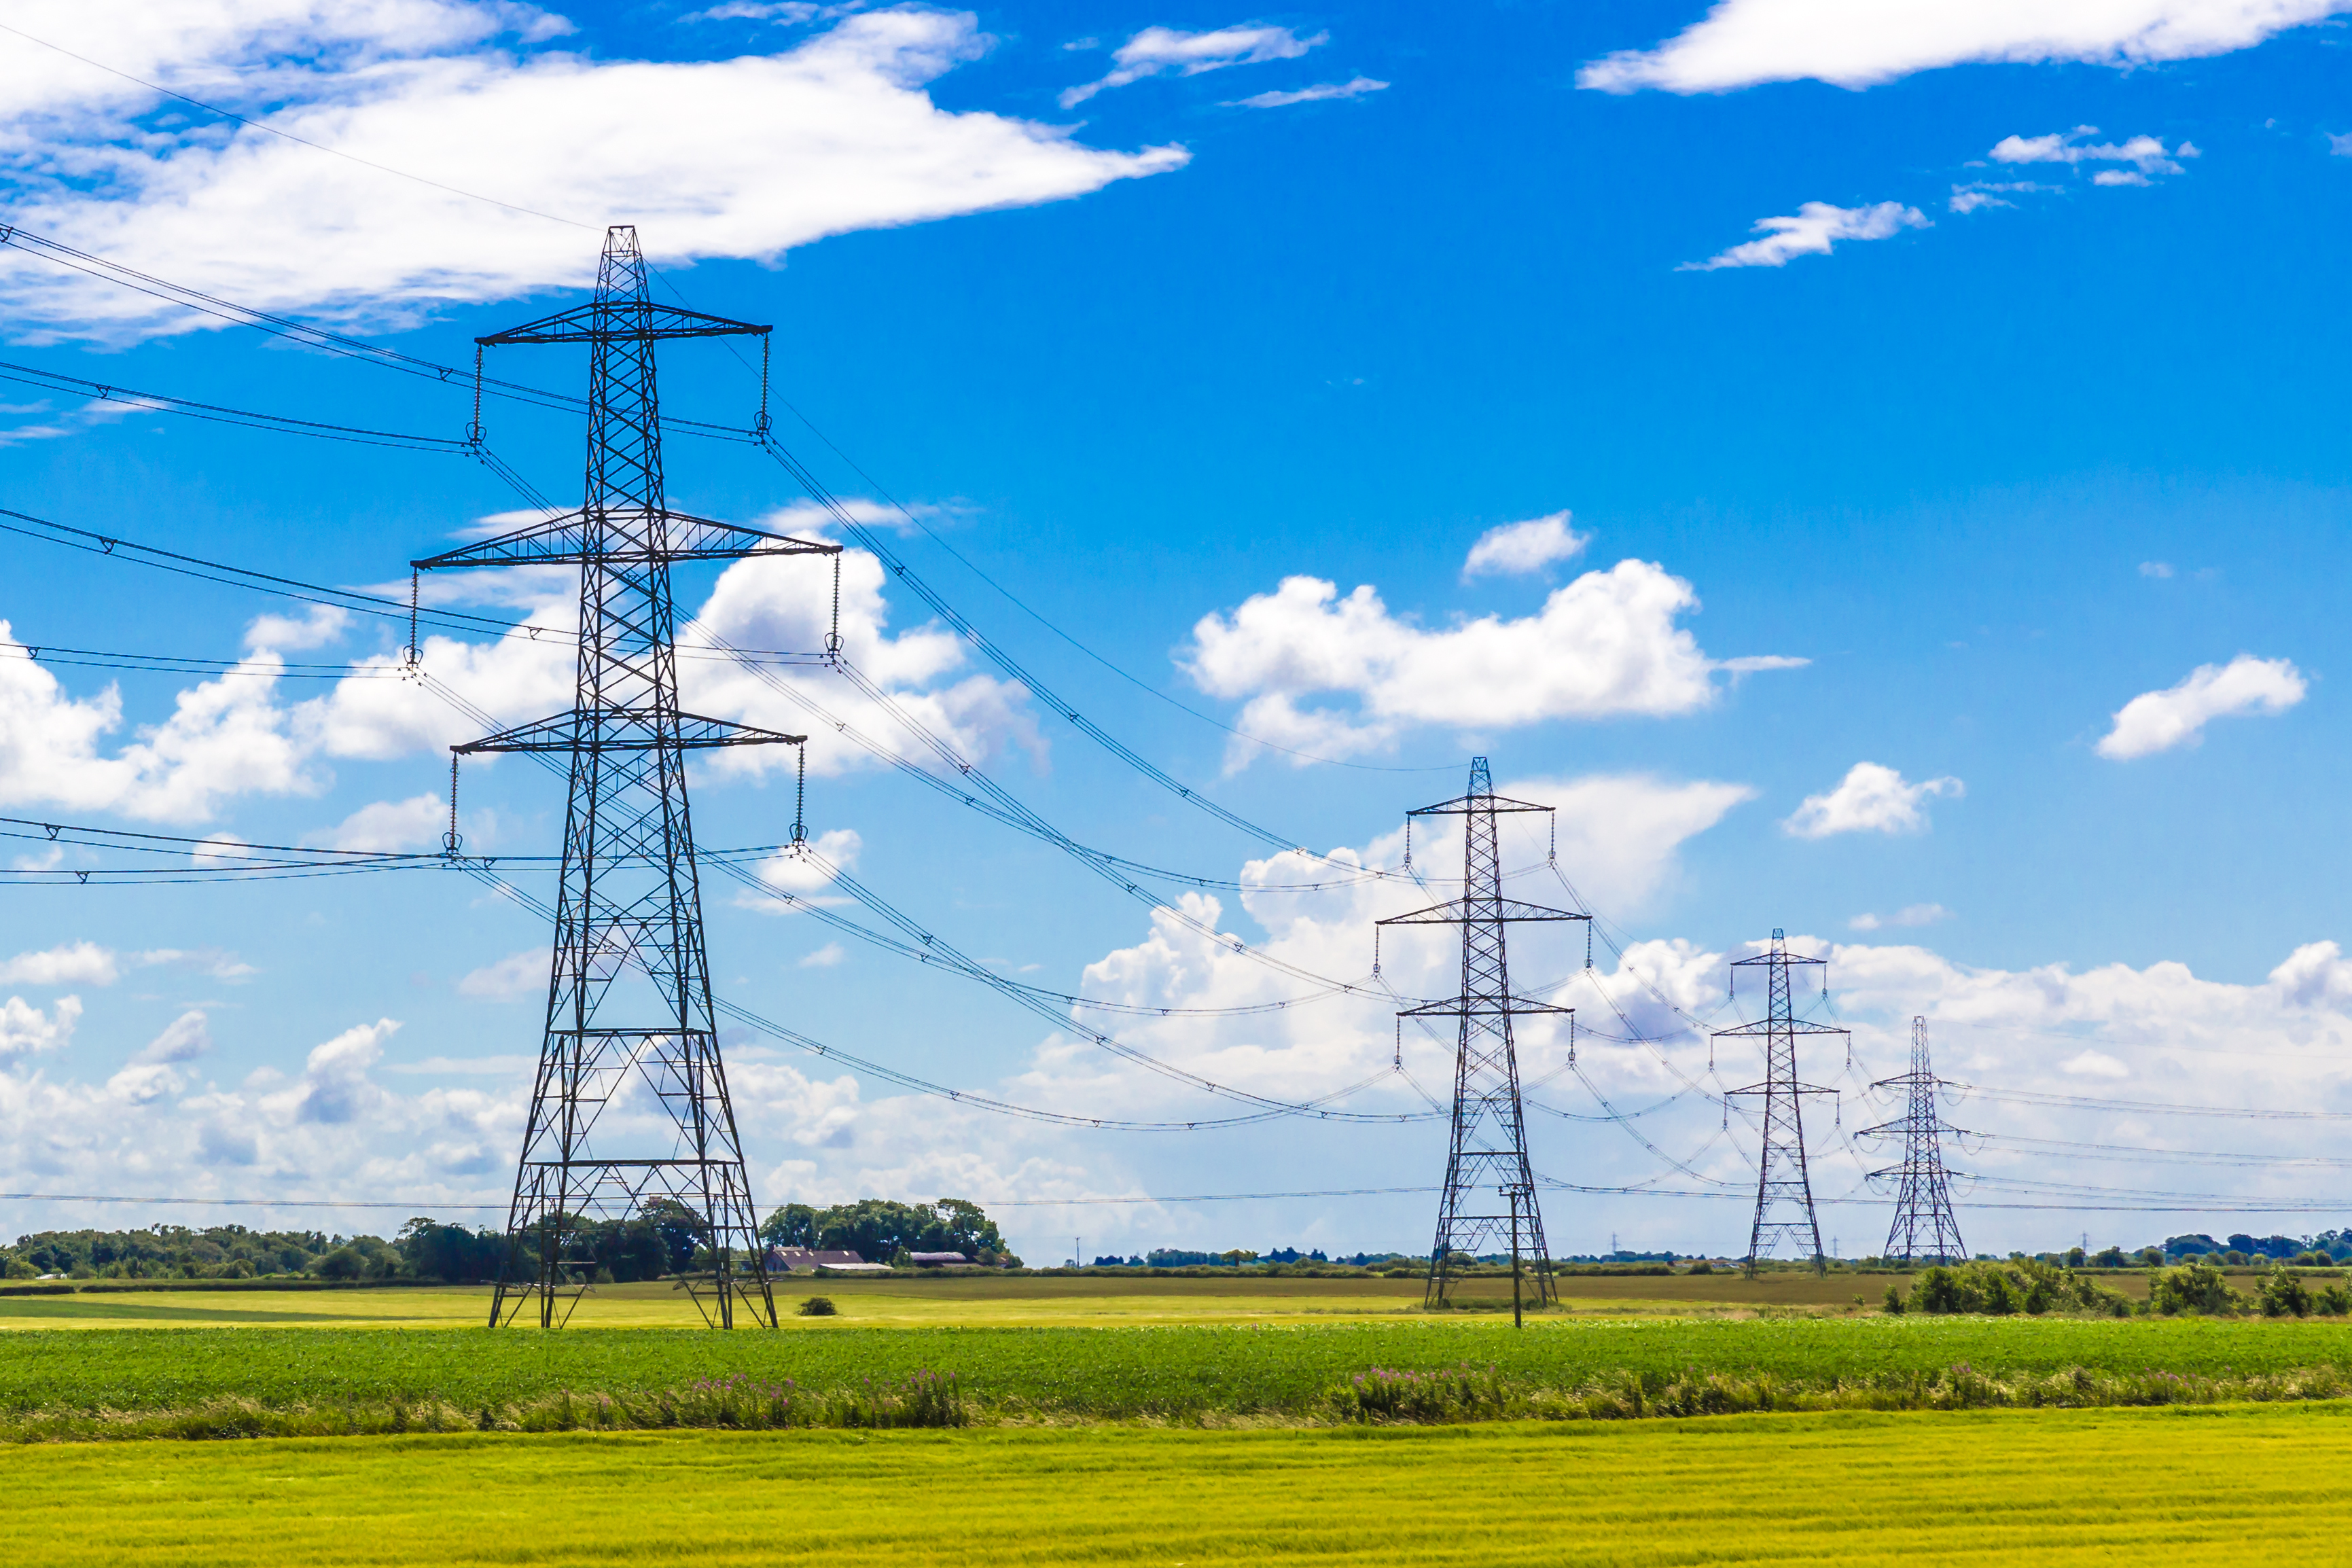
x: 1978, y: 193
x: 1320, y: 93
x: 2146, y: 154
x: 1817, y: 226
x: 1157, y: 51
x: 1909, y: 915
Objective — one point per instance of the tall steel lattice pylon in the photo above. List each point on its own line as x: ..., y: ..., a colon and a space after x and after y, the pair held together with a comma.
x: 1490, y: 1189
x: 1784, y: 1187
x: 1923, y: 1230
x: 630, y: 1021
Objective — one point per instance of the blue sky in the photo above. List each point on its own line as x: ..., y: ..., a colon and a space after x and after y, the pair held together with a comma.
x: 1993, y: 462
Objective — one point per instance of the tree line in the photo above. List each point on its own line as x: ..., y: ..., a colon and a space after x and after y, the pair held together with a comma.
x: 664, y: 1239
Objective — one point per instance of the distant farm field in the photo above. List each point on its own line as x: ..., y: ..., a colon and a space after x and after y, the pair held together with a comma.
x: 969, y: 1301
x: 1967, y: 1488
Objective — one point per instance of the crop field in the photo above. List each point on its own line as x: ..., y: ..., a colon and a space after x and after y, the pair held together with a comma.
x: 1973, y: 1488
x: 1175, y: 1372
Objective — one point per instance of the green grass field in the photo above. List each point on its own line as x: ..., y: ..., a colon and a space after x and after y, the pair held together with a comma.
x: 1975, y: 1488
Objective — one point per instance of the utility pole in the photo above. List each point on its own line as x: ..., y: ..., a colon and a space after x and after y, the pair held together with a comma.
x: 1489, y: 1150
x: 1784, y: 1187
x: 1923, y: 1230
x: 630, y: 1026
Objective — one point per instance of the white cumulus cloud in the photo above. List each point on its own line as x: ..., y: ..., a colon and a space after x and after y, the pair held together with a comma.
x: 322, y: 625
x: 746, y: 156
x: 25, y: 1029
x: 2158, y: 720
x: 75, y: 964
x: 1604, y: 645
x: 1517, y: 548
x: 1740, y: 43
x: 1813, y: 231
x: 387, y: 826
x: 516, y: 976
x: 224, y: 738
x: 1871, y: 798
x: 154, y: 1072
x: 1156, y: 51
x: 235, y: 736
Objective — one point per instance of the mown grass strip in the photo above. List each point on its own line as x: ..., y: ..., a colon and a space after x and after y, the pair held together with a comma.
x: 1854, y: 1491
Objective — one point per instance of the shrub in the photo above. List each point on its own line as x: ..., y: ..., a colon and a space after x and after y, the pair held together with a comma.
x: 2283, y: 1294
x: 2196, y: 1286
x: 2334, y: 1301
x: 1999, y: 1290
x: 819, y: 1307
x: 1894, y: 1302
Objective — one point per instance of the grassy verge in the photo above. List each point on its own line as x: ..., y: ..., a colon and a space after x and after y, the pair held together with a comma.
x: 1845, y: 1490
x: 215, y: 1382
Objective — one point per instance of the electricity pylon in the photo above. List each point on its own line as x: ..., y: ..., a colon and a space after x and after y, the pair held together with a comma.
x: 1923, y: 1230
x: 1784, y: 1187
x: 628, y: 997
x: 1490, y: 1189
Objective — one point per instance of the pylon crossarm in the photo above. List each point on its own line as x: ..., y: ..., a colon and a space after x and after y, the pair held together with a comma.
x: 1482, y: 1007
x: 646, y: 321
x: 691, y: 732
x: 1463, y: 805
x: 1454, y: 911
x: 1770, y: 1027
x: 622, y: 536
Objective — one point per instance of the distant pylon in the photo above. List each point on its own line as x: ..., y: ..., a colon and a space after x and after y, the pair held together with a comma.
x: 1490, y: 1188
x: 628, y: 997
x: 1784, y: 1187
x: 1923, y: 1230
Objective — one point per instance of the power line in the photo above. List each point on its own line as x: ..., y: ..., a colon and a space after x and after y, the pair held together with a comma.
x: 2151, y: 1106
x: 240, y: 1203
x: 116, y: 547
x: 1206, y: 1197
x: 160, y: 403
x: 59, y: 254
x: 1021, y: 605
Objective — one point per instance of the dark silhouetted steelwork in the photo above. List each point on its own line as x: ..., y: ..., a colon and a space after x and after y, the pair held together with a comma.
x: 629, y: 1010
x: 1784, y: 1187
x: 1490, y: 1190
x: 1923, y: 1230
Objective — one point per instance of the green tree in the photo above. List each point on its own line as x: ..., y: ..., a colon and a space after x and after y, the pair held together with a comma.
x: 794, y: 1224
x: 879, y: 1229
x: 680, y: 1229
x: 431, y: 1250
